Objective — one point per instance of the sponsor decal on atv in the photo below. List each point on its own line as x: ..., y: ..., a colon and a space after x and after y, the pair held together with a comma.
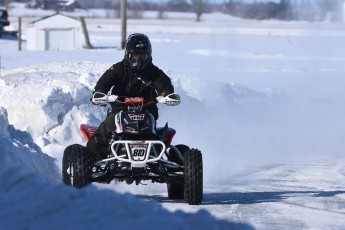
x: 136, y: 117
x: 138, y: 151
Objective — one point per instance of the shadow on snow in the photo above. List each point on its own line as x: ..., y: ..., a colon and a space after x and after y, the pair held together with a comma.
x: 261, y: 197
x: 245, y: 197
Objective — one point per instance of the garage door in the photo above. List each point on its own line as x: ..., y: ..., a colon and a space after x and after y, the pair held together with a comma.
x: 60, y: 39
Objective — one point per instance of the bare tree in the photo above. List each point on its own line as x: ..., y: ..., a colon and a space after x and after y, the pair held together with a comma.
x: 333, y: 9
x: 178, y: 5
x: 199, y: 7
x: 137, y: 9
x: 161, y: 10
x: 5, y: 2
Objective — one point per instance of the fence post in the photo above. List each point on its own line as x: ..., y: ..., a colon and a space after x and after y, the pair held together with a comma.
x: 19, y: 33
x: 86, y: 33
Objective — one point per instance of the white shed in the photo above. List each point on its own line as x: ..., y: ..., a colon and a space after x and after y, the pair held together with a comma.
x: 55, y: 32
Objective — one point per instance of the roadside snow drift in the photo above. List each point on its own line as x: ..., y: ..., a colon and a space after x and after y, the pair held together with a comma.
x: 229, y: 122
x: 32, y: 199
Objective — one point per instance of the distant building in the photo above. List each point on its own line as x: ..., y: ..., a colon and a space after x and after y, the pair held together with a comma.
x: 63, y: 5
x: 55, y: 32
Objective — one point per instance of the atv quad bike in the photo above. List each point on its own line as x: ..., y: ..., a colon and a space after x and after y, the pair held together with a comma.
x: 137, y: 151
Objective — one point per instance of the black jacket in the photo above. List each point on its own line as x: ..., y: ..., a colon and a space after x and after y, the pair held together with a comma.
x: 148, y: 83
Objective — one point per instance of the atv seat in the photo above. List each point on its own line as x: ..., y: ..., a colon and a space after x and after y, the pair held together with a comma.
x: 166, y: 134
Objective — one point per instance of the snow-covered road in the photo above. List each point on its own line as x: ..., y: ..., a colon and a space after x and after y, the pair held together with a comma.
x: 289, y: 196
x: 294, y: 195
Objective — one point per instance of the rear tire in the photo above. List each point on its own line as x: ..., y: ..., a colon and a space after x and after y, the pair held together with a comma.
x: 173, y: 155
x: 176, y: 190
x: 76, y: 166
x: 193, y: 174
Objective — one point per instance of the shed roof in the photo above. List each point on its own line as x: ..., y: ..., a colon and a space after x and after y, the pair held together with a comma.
x: 46, y: 17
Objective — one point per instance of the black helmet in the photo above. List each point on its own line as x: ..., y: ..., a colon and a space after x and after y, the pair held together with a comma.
x: 138, y: 51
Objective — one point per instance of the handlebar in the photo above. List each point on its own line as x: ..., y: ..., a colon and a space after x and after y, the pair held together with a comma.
x: 99, y: 98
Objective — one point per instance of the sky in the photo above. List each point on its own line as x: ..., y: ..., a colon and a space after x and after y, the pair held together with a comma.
x: 261, y: 1
x: 249, y: 1
x: 262, y: 100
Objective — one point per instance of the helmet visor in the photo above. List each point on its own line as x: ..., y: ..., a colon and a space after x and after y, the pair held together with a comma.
x: 135, y: 57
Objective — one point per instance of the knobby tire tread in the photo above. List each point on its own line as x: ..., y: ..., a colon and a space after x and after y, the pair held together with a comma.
x: 193, y: 193
x: 77, y: 157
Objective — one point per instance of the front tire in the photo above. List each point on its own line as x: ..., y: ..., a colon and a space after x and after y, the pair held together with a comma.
x: 76, y: 166
x: 193, y: 174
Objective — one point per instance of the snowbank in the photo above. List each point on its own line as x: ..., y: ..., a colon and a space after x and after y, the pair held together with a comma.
x: 55, y: 99
x: 231, y: 123
x: 32, y: 199
x: 21, y: 156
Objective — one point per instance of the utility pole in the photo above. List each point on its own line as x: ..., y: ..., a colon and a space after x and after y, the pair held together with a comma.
x: 20, y: 33
x: 123, y: 23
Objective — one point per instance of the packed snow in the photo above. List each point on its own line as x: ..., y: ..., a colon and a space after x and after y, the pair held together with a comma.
x: 262, y: 100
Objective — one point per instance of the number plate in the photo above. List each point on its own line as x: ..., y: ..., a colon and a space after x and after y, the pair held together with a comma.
x: 138, y: 151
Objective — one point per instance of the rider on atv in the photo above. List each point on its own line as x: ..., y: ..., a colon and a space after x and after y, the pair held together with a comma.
x: 128, y: 146
x: 134, y: 76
